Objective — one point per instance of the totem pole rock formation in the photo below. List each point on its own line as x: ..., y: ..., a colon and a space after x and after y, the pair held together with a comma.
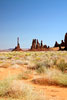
x: 17, y: 48
x: 36, y: 46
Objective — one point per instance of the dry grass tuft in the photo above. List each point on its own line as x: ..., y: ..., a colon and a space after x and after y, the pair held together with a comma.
x: 18, y: 90
x: 52, y: 77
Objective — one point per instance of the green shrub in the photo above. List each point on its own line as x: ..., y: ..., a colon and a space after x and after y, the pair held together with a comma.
x: 40, y: 68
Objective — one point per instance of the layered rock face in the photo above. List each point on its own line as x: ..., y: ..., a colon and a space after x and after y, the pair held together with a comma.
x: 36, y: 46
x: 62, y: 44
x: 17, y: 48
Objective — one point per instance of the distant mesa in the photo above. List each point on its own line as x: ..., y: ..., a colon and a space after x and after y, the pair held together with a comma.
x: 36, y: 46
x: 17, y: 48
x: 63, y: 44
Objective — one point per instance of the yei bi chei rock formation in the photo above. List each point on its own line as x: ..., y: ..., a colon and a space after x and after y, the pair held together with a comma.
x: 36, y: 46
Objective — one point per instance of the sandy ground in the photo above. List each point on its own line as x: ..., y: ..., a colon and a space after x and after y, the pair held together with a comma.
x: 51, y: 92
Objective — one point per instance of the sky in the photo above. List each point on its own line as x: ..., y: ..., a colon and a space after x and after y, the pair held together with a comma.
x: 29, y: 19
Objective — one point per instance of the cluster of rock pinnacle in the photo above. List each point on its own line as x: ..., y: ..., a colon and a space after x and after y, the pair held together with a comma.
x: 36, y: 46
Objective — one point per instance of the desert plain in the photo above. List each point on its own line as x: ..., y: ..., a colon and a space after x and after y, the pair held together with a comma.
x: 39, y: 75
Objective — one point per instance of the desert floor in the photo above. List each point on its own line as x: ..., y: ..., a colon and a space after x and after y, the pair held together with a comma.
x: 12, y: 65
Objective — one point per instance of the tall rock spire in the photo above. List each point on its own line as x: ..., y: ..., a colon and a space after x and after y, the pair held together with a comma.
x: 17, y: 40
x: 17, y: 48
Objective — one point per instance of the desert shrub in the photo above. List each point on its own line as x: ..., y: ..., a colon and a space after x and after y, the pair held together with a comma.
x: 28, y: 54
x: 18, y: 90
x: 4, y: 86
x: 52, y: 77
x: 23, y: 91
x: 25, y: 75
x: 41, y: 68
x: 62, y: 65
x: 59, y: 78
x: 55, y: 61
x: 62, y: 80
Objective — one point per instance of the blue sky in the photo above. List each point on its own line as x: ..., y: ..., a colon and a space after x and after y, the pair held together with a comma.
x: 27, y: 19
